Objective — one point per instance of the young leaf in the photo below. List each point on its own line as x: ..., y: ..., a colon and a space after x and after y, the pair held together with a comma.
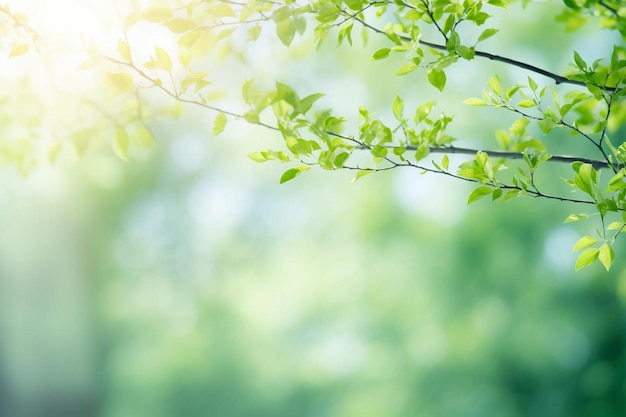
x: 123, y: 50
x: 437, y: 78
x: 586, y: 258
x: 219, y: 123
x: 292, y: 173
x: 487, y: 33
x: 495, y: 84
x: 163, y: 59
x: 19, y: 49
x: 474, y: 101
x: 257, y: 157
x: 121, y: 80
x: 406, y: 68
x: 575, y: 217
x: 120, y: 143
x: 286, y: 31
x: 398, y: 108
x: 361, y: 174
x: 479, y: 193
x: 584, y: 242
x: 580, y: 63
x: 180, y: 25
x: 606, y: 255
x: 380, y: 54
x: 445, y: 162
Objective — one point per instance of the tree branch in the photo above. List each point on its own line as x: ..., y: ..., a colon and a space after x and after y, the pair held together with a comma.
x: 558, y: 79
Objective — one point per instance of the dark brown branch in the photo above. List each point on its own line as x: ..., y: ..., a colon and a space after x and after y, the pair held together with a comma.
x: 558, y: 79
x: 597, y: 164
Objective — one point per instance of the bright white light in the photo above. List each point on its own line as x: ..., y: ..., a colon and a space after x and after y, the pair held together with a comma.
x: 67, y: 18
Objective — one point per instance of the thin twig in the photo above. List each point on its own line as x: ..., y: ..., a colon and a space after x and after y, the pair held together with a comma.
x: 558, y: 79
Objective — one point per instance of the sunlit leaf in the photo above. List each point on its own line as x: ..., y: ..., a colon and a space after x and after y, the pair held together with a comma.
x: 479, y: 193
x: 19, y: 49
x: 437, y: 78
x: 586, y: 258
x: 606, y: 255
x: 584, y: 242
x: 121, y: 141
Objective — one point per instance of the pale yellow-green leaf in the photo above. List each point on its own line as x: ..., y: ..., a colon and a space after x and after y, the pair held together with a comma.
x: 526, y: 103
x: 606, y: 255
x: 219, y: 123
x: 163, y: 59
x: 53, y: 152
x: 121, y: 141
x: 584, y: 242
x: 80, y: 139
x: 615, y: 226
x: 479, y: 193
x: 180, y: 25
x: 257, y: 157
x: 474, y: 101
x: 122, y: 81
x: 142, y: 137
x: 406, y: 68
x: 157, y: 14
x: 575, y: 217
x: 123, y: 50
x: 361, y: 174
x: 19, y: 49
x: 586, y: 258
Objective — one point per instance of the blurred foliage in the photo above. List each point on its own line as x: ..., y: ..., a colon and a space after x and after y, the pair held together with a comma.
x: 189, y: 283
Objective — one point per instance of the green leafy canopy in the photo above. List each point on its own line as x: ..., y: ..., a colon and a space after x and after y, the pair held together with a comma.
x: 171, y: 48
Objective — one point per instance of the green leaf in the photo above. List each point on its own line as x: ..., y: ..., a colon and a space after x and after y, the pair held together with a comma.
x: 615, y: 226
x: 575, y: 217
x: 180, y: 25
x: 586, y: 258
x: 251, y: 116
x: 445, y: 162
x: 584, y: 242
x: 606, y: 255
x: 120, y: 143
x: 495, y: 84
x: 487, y: 33
x: 398, y: 108
x: 142, y: 137
x: 163, y: 59
x: 286, y: 31
x: 292, y: 173
x: 454, y: 41
x: 580, y: 63
x: 19, y: 49
x: 526, y: 103
x: 340, y: 159
x: 121, y: 80
x: 361, y: 174
x: 257, y: 157
x: 437, y: 78
x: 219, y: 123
x: 380, y: 54
x: 157, y: 14
x: 406, y: 68
x: 479, y: 193
x: 465, y: 52
x: 474, y: 101
x: 422, y: 152
x: 123, y: 50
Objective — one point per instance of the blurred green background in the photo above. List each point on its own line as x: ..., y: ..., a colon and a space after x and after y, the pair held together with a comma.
x: 190, y: 283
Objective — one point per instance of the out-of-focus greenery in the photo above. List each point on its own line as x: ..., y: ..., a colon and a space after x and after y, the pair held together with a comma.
x: 190, y: 284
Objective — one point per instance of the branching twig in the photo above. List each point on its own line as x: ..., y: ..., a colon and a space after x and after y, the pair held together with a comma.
x: 558, y: 79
